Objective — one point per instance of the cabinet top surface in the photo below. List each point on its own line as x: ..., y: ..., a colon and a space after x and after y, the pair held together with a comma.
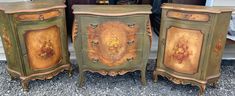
x: 196, y: 8
x: 31, y: 6
x: 112, y: 10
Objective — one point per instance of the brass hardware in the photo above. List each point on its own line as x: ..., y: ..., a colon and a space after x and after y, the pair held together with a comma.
x: 94, y: 26
x: 94, y: 42
x: 131, y: 25
x: 95, y: 60
x: 131, y: 42
x: 163, y: 41
x: 130, y: 59
x: 41, y: 17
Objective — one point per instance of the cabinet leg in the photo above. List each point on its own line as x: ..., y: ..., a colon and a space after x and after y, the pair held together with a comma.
x: 70, y: 71
x: 12, y: 77
x: 81, y: 79
x: 25, y: 85
x: 202, y: 89
x: 215, y: 84
x: 143, y: 77
x: 155, y: 77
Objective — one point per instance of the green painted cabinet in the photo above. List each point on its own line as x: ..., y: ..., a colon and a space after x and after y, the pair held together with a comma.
x: 34, y: 37
x: 191, y: 44
x: 112, y: 39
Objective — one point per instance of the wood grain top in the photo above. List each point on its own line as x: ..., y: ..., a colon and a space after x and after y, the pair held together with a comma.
x: 216, y: 9
x: 31, y: 6
x: 112, y: 10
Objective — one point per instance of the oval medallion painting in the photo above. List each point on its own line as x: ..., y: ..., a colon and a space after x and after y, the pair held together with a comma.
x: 112, y: 43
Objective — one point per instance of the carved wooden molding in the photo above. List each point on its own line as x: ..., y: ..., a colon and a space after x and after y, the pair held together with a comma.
x: 40, y: 76
x: 111, y: 72
x: 6, y: 40
x: 188, y: 16
x: 47, y: 50
x: 38, y: 16
x: 149, y: 31
x: 75, y: 30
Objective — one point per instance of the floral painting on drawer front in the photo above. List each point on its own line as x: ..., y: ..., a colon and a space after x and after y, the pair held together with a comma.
x: 43, y: 47
x: 112, y: 43
x: 183, y: 48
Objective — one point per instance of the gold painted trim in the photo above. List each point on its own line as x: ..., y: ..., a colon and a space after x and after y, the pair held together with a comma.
x: 181, y: 77
x: 38, y: 16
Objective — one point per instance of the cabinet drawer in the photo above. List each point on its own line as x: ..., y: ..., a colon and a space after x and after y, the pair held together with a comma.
x: 45, y: 15
x: 188, y: 16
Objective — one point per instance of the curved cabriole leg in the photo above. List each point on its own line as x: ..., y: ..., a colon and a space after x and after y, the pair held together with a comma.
x: 70, y: 71
x: 12, y: 77
x: 143, y: 75
x: 202, y: 89
x: 155, y: 77
x: 25, y: 85
x: 81, y: 79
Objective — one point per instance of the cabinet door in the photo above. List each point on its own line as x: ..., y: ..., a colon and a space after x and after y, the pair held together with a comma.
x: 42, y: 37
x: 111, y: 42
x: 184, y: 45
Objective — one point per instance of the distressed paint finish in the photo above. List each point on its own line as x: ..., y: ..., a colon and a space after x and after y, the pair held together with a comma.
x: 112, y: 41
x: 190, y: 49
x: 46, y: 47
x: 34, y: 39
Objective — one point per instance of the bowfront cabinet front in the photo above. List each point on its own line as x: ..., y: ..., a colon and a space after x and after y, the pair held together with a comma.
x: 112, y: 40
x: 35, y: 40
x: 191, y: 44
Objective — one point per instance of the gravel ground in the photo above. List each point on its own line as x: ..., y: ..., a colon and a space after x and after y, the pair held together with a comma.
x: 126, y: 85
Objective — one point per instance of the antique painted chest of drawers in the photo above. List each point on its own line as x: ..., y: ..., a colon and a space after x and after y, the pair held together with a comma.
x: 112, y: 39
x: 34, y: 37
x: 191, y: 44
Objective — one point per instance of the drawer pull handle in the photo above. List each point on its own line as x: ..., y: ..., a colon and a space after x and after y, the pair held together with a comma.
x: 94, y: 26
x: 131, y: 25
x: 94, y: 43
x: 41, y: 17
x: 130, y: 59
x: 130, y: 42
x: 95, y: 60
